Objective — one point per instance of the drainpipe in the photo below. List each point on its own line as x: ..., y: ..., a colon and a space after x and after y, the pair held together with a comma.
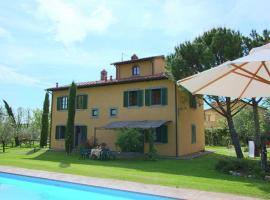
x: 176, y: 120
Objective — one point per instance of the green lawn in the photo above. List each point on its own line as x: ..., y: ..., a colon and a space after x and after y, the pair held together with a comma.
x: 198, y: 173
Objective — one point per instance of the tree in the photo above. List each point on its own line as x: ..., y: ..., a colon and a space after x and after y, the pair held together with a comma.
x: 69, y: 133
x: 256, y: 40
x: 45, y: 122
x: 15, y: 124
x: 6, y: 129
x: 36, y: 123
x: 212, y: 48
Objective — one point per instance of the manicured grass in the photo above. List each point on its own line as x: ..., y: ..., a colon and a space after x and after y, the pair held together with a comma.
x: 198, y: 173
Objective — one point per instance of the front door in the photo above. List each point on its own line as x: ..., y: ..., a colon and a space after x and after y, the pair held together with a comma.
x: 80, y: 135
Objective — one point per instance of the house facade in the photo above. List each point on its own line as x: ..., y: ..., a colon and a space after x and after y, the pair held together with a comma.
x: 140, y: 94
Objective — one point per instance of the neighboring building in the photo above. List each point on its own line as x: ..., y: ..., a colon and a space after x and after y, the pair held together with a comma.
x: 140, y: 96
x: 212, y: 119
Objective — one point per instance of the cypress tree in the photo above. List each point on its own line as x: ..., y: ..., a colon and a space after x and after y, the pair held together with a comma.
x: 69, y: 133
x: 45, y: 122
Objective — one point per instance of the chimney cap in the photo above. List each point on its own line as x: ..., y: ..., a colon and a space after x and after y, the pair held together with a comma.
x: 134, y: 57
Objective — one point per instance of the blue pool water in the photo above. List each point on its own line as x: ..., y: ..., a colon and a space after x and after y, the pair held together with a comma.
x: 14, y: 187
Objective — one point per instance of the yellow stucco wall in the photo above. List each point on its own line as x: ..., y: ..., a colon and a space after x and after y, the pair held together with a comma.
x: 187, y: 117
x: 125, y: 70
x: 149, y: 67
x: 106, y: 97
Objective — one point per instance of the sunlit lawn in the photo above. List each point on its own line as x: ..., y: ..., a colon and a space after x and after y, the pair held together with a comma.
x: 198, y: 173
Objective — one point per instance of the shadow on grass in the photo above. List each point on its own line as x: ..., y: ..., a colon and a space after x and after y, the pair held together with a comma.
x: 200, y: 167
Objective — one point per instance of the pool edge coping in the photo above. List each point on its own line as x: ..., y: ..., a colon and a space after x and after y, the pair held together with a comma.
x: 122, y: 185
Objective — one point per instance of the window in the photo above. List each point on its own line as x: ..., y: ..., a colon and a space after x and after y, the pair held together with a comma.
x: 160, y: 135
x: 95, y: 112
x: 157, y: 96
x: 60, y: 132
x: 133, y: 98
x: 135, y: 70
x: 193, y: 134
x: 62, y: 103
x: 113, y: 112
x: 192, y: 101
x: 81, y: 102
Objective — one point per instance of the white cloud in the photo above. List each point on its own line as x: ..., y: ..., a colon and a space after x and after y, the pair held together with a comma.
x: 70, y: 22
x: 10, y: 76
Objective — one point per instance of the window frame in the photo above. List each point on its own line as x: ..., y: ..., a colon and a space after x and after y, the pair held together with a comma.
x: 60, y: 103
x: 94, y: 109
x: 110, y: 112
x: 136, y: 71
x: 84, y: 105
x: 139, y: 98
x: 58, y: 135
x: 163, y: 102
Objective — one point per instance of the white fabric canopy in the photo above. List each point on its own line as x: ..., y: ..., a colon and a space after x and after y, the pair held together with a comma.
x: 248, y: 76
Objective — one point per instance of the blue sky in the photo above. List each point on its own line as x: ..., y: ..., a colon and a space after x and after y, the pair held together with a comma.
x: 48, y: 41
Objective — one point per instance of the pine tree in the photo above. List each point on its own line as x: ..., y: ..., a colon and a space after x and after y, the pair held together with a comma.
x: 69, y: 133
x: 45, y: 122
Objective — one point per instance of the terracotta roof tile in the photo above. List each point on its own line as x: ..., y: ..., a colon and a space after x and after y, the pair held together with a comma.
x: 113, y: 82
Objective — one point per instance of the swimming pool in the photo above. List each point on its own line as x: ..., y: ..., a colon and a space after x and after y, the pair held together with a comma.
x: 14, y: 187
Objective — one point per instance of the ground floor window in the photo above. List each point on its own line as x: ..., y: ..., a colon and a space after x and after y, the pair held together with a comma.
x: 160, y: 135
x: 80, y: 137
x: 60, y: 132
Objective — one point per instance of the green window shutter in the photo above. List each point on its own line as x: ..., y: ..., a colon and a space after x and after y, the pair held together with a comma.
x: 164, y: 134
x: 140, y: 98
x: 58, y: 103
x: 164, y: 96
x: 193, y: 134
x: 85, y: 101
x: 192, y: 101
x: 57, y: 132
x: 125, y: 103
x: 147, y: 97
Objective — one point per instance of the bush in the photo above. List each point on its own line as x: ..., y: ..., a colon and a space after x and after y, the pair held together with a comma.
x: 217, y: 137
x: 242, y: 166
x: 130, y: 140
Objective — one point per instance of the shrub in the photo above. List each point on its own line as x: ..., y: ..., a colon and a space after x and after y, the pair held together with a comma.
x: 242, y: 166
x: 217, y: 137
x: 130, y: 140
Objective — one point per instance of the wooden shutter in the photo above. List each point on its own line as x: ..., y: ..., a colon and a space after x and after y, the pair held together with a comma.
x: 125, y: 100
x: 140, y: 98
x: 164, y: 134
x: 192, y: 101
x: 164, y: 96
x: 57, y: 131
x: 58, y: 103
x: 148, y: 97
x: 193, y: 134
x: 85, y: 101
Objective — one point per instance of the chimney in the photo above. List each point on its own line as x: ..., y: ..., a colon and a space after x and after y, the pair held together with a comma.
x: 110, y: 78
x: 56, y: 85
x: 134, y: 57
x: 103, y: 75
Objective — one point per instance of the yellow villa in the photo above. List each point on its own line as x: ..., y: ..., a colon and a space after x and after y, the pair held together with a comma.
x: 140, y: 96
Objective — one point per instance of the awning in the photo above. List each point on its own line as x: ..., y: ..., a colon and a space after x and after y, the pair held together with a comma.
x: 146, y: 124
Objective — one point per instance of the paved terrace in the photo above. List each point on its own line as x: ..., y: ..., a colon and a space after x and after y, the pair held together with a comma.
x: 177, y: 193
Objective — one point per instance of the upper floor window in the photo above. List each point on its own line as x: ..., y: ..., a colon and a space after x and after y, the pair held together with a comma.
x: 81, y: 102
x: 133, y: 98
x: 62, y: 103
x: 156, y: 96
x: 135, y: 70
x: 95, y: 112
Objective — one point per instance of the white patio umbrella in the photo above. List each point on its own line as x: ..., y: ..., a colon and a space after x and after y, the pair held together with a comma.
x: 246, y: 77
